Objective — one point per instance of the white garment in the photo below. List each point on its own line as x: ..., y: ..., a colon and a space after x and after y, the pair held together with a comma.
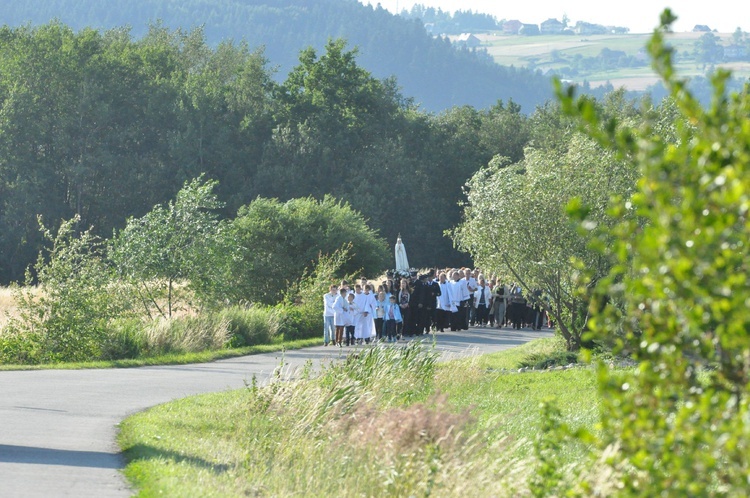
x: 445, y: 297
x: 352, y: 314
x: 365, y: 321
x: 340, y: 310
x: 460, y: 291
x: 328, y: 300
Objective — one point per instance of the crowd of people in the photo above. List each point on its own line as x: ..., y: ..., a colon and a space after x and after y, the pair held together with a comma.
x: 410, y: 305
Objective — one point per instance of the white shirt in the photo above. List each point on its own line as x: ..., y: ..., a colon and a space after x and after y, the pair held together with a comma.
x: 445, y: 297
x: 328, y: 300
x: 460, y: 291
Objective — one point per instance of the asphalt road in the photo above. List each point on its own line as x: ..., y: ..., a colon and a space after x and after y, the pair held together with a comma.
x: 58, y: 427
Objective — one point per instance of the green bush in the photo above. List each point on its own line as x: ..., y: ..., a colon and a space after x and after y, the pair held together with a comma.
x: 300, y: 321
x: 251, y: 326
x: 126, y: 340
x: 68, y: 315
x: 20, y: 347
x: 677, y: 297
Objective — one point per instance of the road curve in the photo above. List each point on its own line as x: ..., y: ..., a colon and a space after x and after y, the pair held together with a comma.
x: 58, y: 427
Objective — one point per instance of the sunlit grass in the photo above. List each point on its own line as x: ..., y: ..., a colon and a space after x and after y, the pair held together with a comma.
x: 388, y: 422
x: 278, y: 344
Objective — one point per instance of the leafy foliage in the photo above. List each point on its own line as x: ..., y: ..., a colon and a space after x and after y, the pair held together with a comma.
x: 432, y: 70
x: 119, y: 125
x: 679, y: 295
x: 515, y: 223
x: 170, y: 245
x: 277, y: 242
x: 66, y: 319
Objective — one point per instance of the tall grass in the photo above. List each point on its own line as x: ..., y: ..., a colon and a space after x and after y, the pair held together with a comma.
x: 8, y: 307
x: 371, y: 425
x: 133, y: 338
x: 251, y: 326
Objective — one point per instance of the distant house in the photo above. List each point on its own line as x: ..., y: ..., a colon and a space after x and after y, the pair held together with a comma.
x: 529, y: 30
x: 551, y: 27
x: 701, y: 28
x: 587, y: 28
x: 467, y: 40
x: 512, y: 27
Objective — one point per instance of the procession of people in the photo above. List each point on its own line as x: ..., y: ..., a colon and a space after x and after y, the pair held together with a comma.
x: 406, y: 304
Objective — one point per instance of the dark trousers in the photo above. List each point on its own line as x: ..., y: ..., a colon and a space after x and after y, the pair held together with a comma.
x: 482, y: 314
x: 457, y: 320
x: 390, y: 329
x: 443, y: 319
x: 465, y: 310
x: 424, y: 320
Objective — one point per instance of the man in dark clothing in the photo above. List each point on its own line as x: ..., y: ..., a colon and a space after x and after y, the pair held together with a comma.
x: 433, y: 291
x: 424, y: 299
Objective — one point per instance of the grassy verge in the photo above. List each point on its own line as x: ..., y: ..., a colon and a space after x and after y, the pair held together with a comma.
x: 388, y: 422
x: 175, y: 359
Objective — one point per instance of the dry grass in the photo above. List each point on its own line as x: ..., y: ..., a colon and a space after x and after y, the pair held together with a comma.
x: 8, y: 308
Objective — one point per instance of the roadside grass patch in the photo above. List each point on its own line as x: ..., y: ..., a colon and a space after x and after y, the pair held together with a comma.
x: 386, y: 421
x: 278, y: 344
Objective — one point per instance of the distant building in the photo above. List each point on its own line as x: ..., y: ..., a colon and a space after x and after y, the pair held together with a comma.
x: 512, y: 27
x: 587, y: 28
x: 701, y: 28
x: 529, y: 30
x: 551, y: 27
x: 467, y: 40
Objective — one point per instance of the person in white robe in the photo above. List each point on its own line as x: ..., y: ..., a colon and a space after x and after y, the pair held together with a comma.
x: 461, y: 296
x: 366, y: 304
x: 351, y: 320
x: 340, y: 319
x: 444, y: 301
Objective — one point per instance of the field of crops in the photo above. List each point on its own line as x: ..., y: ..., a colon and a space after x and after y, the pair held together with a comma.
x: 551, y: 53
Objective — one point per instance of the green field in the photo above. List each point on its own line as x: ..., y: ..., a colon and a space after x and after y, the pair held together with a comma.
x: 553, y: 52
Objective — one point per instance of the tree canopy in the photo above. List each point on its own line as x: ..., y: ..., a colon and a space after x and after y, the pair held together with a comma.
x: 102, y: 126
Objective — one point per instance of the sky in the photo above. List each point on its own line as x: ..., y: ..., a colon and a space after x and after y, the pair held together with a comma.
x: 641, y: 16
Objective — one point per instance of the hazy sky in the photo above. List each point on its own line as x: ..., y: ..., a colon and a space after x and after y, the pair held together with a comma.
x: 641, y: 16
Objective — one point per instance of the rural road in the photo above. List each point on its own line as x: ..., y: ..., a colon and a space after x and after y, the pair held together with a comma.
x: 58, y: 427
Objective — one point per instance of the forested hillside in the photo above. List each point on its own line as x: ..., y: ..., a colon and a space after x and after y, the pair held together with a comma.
x: 103, y: 126
x: 430, y: 70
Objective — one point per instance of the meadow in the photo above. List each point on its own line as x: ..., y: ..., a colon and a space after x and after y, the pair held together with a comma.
x: 390, y: 421
x: 553, y: 52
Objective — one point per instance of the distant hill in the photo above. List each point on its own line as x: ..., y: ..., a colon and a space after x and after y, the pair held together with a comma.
x: 430, y: 70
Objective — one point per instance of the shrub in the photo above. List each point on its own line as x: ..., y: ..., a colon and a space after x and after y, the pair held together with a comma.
x: 68, y: 316
x: 299, y: 321
x: 679, y: 422
x: 20, y: 347
x: 126, y: 339
x: 251, y: 326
